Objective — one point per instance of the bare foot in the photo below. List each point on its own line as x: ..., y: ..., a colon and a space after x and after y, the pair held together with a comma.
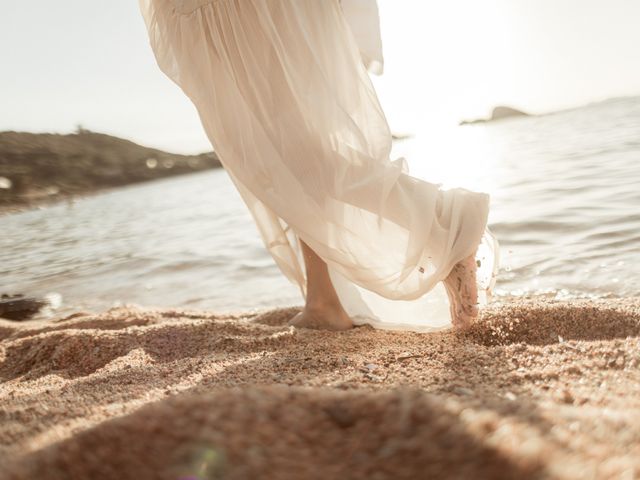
x: 462, y: 291
x: 322, y: 318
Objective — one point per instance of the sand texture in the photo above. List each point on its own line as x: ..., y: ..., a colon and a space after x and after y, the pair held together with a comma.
x: 535, y: 389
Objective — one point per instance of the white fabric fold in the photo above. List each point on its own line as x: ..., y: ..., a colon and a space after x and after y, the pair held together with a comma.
x: 285, y: 98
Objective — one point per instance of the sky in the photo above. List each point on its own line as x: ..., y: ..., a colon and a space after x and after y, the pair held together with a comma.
x: 88, y: 62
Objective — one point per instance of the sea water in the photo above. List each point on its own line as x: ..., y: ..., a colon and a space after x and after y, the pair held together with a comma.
x: 565, y: 193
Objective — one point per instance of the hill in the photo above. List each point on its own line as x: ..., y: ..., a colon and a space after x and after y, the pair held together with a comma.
x: 498, y: 113
x: 37, y: 167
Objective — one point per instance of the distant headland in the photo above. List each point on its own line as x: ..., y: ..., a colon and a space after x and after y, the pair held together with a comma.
x: 498, y: 113
x: 37, y: 168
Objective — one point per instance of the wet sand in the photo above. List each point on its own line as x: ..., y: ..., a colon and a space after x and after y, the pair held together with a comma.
x: 535, y: 389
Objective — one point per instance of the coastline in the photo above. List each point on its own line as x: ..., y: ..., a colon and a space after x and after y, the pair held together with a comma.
x: 70, y: 198
x: 45, y: 202
x: 38, y: 169
x: 536, y: 388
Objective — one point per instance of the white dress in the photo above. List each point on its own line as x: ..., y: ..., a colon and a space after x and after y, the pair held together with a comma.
x: 283, y: 93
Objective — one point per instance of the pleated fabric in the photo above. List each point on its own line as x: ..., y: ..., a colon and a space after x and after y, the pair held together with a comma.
x: 283, y: 93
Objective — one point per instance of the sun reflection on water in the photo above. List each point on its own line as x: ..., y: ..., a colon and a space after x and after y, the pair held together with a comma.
x: 452, y: 156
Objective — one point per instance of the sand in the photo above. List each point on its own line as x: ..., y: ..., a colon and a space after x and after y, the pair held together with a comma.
x: 535, y: 389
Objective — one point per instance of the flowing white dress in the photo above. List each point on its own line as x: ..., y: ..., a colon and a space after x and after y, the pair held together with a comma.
x: 283, y: 93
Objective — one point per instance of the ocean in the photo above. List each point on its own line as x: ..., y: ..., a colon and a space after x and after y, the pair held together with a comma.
x: 565, y: 190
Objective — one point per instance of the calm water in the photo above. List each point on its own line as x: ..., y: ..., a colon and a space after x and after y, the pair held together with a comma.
x: 566, y: 208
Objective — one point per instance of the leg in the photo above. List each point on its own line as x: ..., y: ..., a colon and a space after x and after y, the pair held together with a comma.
x: 322, y: 309
x: 462, y: 291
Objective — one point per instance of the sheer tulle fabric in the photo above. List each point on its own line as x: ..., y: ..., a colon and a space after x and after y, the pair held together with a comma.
x: 284, y: 96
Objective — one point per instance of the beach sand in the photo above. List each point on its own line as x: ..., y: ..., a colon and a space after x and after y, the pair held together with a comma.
x: 535, y: 389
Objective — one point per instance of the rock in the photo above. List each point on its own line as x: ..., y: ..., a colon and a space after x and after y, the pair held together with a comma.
x: 18, y: 307
x: 498, y: 113
x: 501, y: 112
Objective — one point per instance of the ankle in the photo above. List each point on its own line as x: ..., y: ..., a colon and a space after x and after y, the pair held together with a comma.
x: 322, y: 305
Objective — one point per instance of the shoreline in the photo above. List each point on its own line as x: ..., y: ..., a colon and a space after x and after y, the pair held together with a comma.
x: 46, y: 202
x: 39, y: 168
x: 72, y: 197
x: 535, y: 388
